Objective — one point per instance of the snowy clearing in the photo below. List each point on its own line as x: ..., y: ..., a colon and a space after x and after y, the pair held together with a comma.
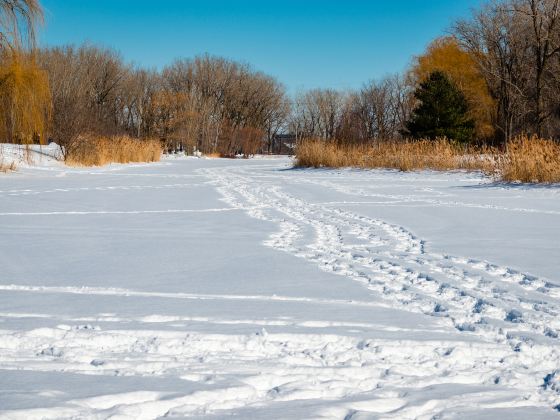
x: 215, y: 288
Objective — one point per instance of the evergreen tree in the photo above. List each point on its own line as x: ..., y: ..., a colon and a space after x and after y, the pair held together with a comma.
x: 442, y: 111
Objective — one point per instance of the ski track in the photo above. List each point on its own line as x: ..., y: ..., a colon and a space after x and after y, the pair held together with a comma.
x: 28, y: 192
x: 127, y: 212
x: 513, y: 315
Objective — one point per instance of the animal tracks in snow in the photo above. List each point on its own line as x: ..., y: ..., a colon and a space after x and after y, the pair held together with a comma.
x: 501, y: 304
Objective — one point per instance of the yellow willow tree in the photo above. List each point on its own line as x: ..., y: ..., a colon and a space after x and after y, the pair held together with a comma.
x: 25, y: 100
x: 446, y: 55
x: 19, y: 20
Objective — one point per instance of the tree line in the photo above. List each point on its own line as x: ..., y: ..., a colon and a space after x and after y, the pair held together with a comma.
x: 208, y: 103
x: 498, y: 71
x: 494, y: 76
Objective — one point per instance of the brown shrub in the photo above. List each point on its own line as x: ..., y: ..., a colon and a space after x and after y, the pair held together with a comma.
x: 98, y: 151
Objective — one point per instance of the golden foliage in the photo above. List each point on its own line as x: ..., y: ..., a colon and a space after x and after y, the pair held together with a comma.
x: 25, y: 100
x: 98, y: 151
x: 446, y: 55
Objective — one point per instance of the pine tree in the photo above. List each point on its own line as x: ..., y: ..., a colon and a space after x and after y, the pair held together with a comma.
x: 442, y: 111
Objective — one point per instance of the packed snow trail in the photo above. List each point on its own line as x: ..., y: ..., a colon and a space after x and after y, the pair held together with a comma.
x: 475, y: 295
x: 252, y: 290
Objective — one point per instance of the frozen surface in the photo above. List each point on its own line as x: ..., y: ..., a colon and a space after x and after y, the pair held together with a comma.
x: 218, y: 288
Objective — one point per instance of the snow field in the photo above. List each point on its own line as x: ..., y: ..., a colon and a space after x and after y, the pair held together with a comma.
x: 213, y: 288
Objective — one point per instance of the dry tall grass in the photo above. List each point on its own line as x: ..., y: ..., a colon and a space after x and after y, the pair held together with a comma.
x: 4, y: 165
x: 214, y: 155
x: 530, y: 159
x: 403, y: 155
x: 98, y: 151
x: 525, y: 160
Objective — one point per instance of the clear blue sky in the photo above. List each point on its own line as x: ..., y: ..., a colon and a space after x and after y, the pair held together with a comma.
x: 305, y: 43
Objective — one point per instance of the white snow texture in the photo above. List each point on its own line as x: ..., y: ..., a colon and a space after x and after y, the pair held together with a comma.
x: 243, y: 288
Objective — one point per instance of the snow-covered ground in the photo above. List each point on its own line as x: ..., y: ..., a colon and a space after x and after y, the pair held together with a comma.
x: 33, y: 155
x: 216, y: 288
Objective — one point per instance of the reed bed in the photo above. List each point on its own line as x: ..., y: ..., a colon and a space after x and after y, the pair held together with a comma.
x: 531, y: 160
x: 99, y: 151
x: 526, y: 159
x: 214, y: 155
x: 403, y: 155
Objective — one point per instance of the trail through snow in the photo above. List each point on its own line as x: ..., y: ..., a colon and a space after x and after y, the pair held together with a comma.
x: 223, y: 288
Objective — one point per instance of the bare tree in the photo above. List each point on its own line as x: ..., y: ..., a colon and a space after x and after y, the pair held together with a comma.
x: 378, y: 111
x: 69, y: 94
x: 544, y: 43
x: 136, y: 102
x: 224, y: 103
x: 85, y: 87
x: 386, y: 106
x: 495, y: 37
x: 208, y: 103
x: 318, y: 113
x: 517, y: 47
